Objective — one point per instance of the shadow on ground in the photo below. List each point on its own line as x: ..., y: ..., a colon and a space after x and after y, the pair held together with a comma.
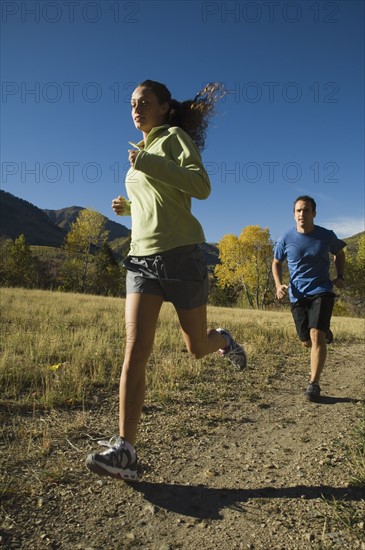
x: 203, y: 502
x: 331, y: 400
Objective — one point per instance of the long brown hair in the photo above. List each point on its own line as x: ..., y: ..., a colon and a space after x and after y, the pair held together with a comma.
x: 191, y: 115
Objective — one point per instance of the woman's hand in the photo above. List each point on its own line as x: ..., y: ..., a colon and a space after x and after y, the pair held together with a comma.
x: 132, y: 154
x: 119, y: 205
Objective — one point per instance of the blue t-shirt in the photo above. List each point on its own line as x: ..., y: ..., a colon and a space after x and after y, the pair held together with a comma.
x: 308, y: 260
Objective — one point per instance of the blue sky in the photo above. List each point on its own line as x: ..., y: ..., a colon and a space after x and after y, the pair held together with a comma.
x: 291, y: 123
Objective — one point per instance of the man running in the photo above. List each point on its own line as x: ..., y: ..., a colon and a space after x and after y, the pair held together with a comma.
x: 306, y: 248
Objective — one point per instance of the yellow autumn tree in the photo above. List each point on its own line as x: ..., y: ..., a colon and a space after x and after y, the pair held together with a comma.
x: 245, y: 262
x: 87, y: 234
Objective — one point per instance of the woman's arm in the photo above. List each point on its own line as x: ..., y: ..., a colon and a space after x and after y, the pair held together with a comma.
x: 185, y: 172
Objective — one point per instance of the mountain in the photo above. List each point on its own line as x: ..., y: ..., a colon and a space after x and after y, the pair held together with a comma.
x: 43, y: 227
x: 49, y: 227
x: 18, y: 217
x: 211, y: 252
x: 66, y: 216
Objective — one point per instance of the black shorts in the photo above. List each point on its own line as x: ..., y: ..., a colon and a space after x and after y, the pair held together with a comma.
x: 312, y: 312
x: 179, y: 275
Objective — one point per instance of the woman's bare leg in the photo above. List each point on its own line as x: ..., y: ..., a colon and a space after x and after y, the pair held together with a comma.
x: 199, y: 341
x: 141, y: 315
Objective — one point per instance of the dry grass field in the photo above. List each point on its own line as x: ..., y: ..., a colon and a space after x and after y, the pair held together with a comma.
x: 59, y: 373
x: 57, y: 347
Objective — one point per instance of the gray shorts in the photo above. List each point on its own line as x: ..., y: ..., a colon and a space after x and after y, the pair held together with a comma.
x: 179, y: 275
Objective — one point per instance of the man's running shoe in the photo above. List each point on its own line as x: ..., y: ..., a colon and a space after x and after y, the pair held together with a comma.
x: 329, y: 336
x: 119, y: 460
x: 313, y: 392
x: 233, y: 351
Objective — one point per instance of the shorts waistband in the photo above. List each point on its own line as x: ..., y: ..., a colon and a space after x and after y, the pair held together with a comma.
x: 172, y: 252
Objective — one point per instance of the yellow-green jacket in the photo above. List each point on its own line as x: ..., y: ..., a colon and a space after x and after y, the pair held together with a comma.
x: 167, y: 173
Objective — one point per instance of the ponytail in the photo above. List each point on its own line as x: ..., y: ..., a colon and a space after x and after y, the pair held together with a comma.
x: 191, y: 115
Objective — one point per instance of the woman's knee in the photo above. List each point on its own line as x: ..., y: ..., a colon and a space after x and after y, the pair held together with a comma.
x: 196, y: 349
x: 208, y: 342
x: 196, y: 352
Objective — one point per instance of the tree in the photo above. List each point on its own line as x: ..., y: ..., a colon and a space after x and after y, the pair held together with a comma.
x: 109, y: 277
x: 353, y: 295
x: 225, y: 296
x: 360, y: 267
x: 246, y: 264
x: 19, y: 266
x: 86, y: 236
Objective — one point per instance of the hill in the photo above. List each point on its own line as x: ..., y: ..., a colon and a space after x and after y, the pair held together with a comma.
x: 211, y: 253
x: 352, y: 243
x: 66, y: 216
x: 18, y: 217
x: 43, y: 227
x: 48, y: 227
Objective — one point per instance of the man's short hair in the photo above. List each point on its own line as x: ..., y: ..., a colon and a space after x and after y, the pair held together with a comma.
x: 306, y: 198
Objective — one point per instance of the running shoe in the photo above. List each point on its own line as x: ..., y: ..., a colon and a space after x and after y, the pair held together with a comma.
x: 313, y: 392
x: 116, y: 461
x: 233, y: 351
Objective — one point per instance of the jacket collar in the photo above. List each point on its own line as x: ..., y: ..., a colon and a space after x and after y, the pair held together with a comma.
x: 152, y: 135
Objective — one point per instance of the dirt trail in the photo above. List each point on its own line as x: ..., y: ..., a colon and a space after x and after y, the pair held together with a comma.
x: 229, y: 475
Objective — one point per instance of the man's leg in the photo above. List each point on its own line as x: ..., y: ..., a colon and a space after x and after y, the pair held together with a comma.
x: 299, y: 312
x: 318, y: 354
x: 319, y: 321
